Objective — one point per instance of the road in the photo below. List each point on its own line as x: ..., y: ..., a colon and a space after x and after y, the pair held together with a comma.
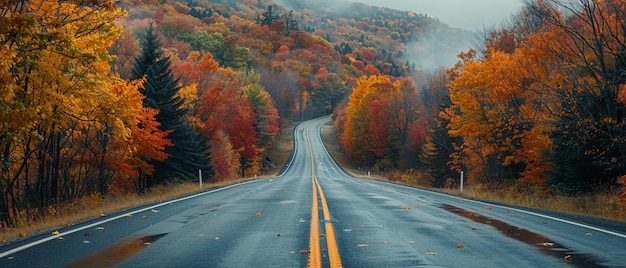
x: 315, y: 215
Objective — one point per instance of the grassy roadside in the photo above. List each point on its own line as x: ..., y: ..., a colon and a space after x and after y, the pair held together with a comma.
x: 603, y: 206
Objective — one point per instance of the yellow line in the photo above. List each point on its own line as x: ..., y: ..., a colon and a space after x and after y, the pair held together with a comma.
x: 315, y: 255
x: 331, y: 241
x: 315, y: 259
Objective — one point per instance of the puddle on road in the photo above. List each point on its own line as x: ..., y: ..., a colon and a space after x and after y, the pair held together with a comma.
x: 544, y: 244
x: 117, y: 253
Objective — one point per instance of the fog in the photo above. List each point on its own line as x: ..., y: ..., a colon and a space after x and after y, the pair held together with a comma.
x: 465, y: 14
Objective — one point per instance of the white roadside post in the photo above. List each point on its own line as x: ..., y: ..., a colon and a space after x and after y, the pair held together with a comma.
x: 200, y: 177
x: 461, y: 181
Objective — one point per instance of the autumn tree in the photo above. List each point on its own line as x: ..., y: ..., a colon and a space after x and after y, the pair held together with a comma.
x: 188, y: 153
x: 589, y: 141
x: 266, y: 114
x: 380, y: 116
x: 66, y: 123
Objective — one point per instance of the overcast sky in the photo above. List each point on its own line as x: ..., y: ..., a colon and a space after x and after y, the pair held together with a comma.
x: 467, y: 14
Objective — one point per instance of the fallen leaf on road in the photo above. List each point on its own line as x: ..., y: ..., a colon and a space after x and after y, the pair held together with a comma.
x: 362, y: 245
x: 417, y: 206
x: 431, y: 253
x: 217, y: 238
x: 259, y: 213
x: 86, y: 234
x: 568, y: 257
x: 201, y: 235
x: 302, y: 220
x: 102, y: 214
x: 129, y: 215
x: 144, y: 216
x: 322, y: 235
x: 412, y: 241
x: 23, y: 234
x: 292, y: 252
x: 55, y: 233
x: 406, y: 207
x: 86, y: 242
x: 547, y: 244
x: 460, y: 245
x: 305, y: 251
x: 487, y: 207
x: 385, y: 242
x: 10, y: 258
x: 588, y: 234
x: 280, y: 235
x: 99, y: 228
x: 154, y: 210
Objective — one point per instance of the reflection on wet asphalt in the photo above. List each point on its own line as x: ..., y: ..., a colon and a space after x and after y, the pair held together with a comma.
x: 117, y: 253
x: 545, y: 245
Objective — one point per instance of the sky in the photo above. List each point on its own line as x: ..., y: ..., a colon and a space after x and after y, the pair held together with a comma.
x: 465, y: 14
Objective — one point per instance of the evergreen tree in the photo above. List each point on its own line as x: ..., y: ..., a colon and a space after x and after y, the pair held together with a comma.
x: 290, y: 23
x: 436, y: 154
x: 267, y: 17
x: 188, y: 153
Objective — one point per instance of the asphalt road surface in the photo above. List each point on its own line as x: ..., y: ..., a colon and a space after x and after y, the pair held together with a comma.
x: 315, y: 215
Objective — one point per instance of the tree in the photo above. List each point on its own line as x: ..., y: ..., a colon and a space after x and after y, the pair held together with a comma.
x: 290, y: 23
x: 57, y: 120
x: 439, y: 146
x: 266, y: 114
x: 588, y: 39
x: 379, y: 118
x: 267, y: 17
x: 188, y: 153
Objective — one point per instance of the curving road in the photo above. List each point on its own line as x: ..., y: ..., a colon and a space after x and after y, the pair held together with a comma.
x: 315, y: 215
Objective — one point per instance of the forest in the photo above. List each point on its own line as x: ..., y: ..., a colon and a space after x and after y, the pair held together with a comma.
x: 102, y: 97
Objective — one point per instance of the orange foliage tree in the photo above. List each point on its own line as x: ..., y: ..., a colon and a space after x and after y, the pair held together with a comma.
x: 68, y: 125
x: 379, y: 119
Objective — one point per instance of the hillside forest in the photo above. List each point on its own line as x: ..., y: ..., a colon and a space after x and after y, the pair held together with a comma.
x: 101, y: 97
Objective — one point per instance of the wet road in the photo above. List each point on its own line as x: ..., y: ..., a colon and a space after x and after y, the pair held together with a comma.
x: 321, y: 217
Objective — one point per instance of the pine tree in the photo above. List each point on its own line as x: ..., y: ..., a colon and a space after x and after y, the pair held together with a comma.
x: 188, y: 153
x: 436, y: 154
x: 290, y: 23
x: 267, y: 17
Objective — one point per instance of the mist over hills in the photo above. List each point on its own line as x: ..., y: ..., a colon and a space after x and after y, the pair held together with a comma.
x: 428, y: 42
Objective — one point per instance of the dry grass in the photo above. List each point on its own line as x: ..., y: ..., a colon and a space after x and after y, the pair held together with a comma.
x: 281, y: 150
x: 597, y: 205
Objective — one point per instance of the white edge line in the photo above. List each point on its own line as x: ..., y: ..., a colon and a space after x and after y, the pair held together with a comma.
x: 43, y: 240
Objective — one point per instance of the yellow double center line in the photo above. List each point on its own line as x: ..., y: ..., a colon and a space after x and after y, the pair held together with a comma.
x: 315, y: 256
